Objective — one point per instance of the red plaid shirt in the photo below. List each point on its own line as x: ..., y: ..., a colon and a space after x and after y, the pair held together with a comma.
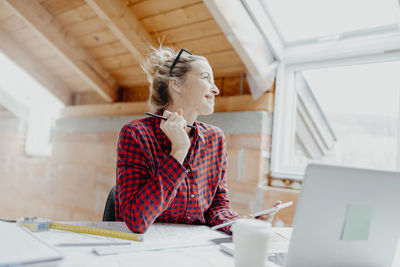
x: 152, y: 186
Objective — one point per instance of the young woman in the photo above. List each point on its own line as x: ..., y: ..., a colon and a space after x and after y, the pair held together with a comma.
x: 166, y: 171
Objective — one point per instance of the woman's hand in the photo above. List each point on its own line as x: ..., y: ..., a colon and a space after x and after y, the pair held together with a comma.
x: 175, y: 129
x: 269, y: 217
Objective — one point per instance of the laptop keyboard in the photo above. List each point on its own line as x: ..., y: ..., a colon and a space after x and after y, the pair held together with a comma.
x: 277, y: 258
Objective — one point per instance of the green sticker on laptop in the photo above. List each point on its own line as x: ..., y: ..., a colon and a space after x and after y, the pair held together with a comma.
x: 357, y: 222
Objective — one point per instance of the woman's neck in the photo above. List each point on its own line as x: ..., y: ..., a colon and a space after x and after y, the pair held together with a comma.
x: 189, y: 116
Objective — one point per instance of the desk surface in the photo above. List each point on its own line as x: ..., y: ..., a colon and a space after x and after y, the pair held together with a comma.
x: 200, y: 254
x: 204, y: 255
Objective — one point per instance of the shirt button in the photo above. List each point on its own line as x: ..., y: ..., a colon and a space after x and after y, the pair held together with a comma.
x: 192, y: 195
x: 188, y: 218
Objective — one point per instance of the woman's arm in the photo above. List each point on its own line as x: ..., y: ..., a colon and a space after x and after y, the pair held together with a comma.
x: 144, y: 192
x: 220, y: 210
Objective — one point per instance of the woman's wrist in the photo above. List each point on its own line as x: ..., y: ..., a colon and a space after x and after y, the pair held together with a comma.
x: 179, y: 154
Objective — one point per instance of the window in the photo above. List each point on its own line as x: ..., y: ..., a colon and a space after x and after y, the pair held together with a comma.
x: 31, y: 102
x: 329, y: 55
x: 360, y: 103
x: 319, y: 19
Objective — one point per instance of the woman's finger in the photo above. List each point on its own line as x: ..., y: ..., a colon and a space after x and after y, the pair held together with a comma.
x: 167, y: 113
x: 278, y: 202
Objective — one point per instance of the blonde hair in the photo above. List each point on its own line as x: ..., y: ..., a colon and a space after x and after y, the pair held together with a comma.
x: 157, y: 68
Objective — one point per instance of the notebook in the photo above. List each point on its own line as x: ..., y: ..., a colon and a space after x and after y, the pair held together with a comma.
x: 19, y: 246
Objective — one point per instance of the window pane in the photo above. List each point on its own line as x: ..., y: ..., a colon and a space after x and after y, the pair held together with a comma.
x: 298, y: 20
x: 361, y: 104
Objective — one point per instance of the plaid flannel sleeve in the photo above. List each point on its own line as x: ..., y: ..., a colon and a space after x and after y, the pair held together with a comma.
x: 144, y: 191
x: 220, y: 210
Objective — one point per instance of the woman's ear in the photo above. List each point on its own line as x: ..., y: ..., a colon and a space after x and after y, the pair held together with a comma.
x: 175, y: 85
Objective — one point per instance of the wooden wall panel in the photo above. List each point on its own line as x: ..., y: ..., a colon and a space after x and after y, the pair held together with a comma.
x: 97, y: 39
x: 132, y: 75
x: 229, y: 71
x: 75, y: 15
x: 107, y: 50
x: 4, y: 12
x: 118, y: 61
x: 205, y: 45
x: 231, y: 86
x: 23, y: 35
x: 183, y: 16
x: 42, y: 52
x: 151, y: 8
x: 34, y: 43
x: 53, y: 63
x: 83, y: 28
x: 188, y: 32
x: 55, y: 7
x: 135, y: 94
x: 77, y: 85
x: 11, y: 24
x: 132, y: 2
x: 88, y: 98
x: 224, y: 59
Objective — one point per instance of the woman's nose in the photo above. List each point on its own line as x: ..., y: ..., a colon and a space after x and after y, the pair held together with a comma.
x: 215, y: 90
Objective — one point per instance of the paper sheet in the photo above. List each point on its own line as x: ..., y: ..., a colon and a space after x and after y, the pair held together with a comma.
x: 167, y: 236
x: 18, y: 247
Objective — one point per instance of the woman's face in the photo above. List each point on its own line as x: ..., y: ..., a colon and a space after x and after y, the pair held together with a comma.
x: 199, y: 89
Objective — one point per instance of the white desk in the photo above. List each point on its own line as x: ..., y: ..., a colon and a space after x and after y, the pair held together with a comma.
x: 209, y: 255
x: 204, y: 254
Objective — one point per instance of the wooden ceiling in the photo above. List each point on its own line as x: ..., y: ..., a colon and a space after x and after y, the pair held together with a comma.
x: 90, y: 51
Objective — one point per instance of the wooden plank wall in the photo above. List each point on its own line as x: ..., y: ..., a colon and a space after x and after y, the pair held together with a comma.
x: 177, y: 23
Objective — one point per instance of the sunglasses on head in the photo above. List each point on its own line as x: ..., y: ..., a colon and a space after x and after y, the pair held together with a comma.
x: 176, y: 60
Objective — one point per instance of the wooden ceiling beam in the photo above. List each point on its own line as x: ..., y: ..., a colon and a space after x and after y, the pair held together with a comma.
x: 24, y: 60
x: 124, y: 24
x: 44, y: 24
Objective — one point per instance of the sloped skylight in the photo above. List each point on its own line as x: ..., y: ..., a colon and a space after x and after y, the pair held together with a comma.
x: 30, y: 101
x: 22, y: 87
x: 306, y: 19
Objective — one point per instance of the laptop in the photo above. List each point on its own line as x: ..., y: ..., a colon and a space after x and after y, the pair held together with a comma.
x: 19, y: 247
x: 346, y: 217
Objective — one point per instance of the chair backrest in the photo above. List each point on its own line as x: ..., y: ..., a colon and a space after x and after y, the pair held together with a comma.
x: 109, y: 209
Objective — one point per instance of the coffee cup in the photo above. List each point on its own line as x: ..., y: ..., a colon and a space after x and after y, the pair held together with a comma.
x: 251, y: 238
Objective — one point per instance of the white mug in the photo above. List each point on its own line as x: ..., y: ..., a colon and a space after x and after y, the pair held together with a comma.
x: 251, y: 238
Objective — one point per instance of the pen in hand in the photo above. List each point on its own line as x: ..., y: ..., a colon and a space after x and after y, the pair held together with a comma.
x: 164, y: 118
x: 273, y: 209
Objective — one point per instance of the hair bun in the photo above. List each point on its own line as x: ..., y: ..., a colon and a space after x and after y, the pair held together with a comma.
x: 158, y: 61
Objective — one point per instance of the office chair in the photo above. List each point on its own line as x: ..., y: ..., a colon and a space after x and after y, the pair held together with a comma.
x: 109, y: 209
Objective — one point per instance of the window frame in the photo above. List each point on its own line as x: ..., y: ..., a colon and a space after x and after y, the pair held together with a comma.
x: 283, y: 135
x: 373, y: 45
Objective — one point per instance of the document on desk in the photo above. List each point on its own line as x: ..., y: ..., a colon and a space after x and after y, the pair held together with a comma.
x: 167, y: 236
x: 20, y: 247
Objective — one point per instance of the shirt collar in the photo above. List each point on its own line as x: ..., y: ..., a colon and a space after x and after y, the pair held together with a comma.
x: 199, y: 131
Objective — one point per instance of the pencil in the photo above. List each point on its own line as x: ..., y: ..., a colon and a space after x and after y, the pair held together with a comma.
x: 163, y: 118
